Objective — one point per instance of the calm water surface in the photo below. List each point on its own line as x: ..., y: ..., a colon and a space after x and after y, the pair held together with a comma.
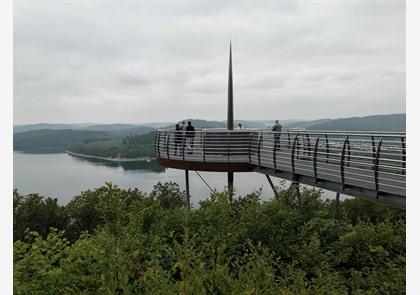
x: 62, y: 176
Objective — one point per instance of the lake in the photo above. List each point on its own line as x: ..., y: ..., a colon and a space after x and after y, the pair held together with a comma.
x: 63, y: 176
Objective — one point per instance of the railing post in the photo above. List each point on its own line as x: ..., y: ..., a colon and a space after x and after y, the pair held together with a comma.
x: 373, y: 150
x: 158, y: 143
x: 315, y: 159
x: 298, y: 146
x: 274, y: 149
x: 376, y: 167
x: 343, y: 151
x: 259, y: 148
x: 183, y: 146
x: 293, y: 156
x: 308, y: 145
x: 403, y: 154
x: 167, y: 144
x: 348, y: 151
x: 288, y: 139
x: 327, y: 147
x: 203, y: 140
x: 249, y: 146
x: 228, y: 146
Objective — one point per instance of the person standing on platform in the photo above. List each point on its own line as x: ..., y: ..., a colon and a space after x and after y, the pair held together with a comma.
x: 277, y: 133
x: 178, y: 138
x: 189, y: 136
x: 240, y: 126
x: 183, y: 126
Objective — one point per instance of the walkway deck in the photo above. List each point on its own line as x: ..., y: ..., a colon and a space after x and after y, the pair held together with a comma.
x: 369, y: 165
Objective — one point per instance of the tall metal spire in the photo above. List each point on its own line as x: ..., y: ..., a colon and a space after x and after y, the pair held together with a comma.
x: 230, y: 114
x: 230, y: 92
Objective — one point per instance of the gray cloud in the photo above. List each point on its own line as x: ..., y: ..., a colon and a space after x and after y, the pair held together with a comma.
x: 146, y: 61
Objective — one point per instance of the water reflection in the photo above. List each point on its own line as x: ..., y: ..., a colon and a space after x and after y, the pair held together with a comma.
x: 150, y: 165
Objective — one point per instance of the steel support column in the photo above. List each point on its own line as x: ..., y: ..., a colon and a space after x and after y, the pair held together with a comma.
x: 272, y: 185
x: 187, y: 189
x: 337, y: 206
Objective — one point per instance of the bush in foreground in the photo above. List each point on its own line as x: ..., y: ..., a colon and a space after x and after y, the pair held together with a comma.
x: 128, y: 242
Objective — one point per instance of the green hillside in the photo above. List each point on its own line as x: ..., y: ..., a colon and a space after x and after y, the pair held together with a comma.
x: 133, y: 146
x: 109, y: 127
x: 395, y: 122
x: 305, y: 124
x: 59, y: 140
x: 53, y: 141
x: 39, y: 126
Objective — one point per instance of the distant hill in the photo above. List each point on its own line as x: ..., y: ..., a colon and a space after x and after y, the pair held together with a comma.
x: 30, y: 127
x: 199, y: 123
x: 88, y: 126
x: 52, y: 141
x: 109, y: 127
x: 304, y: 124
x: 394, y: 122
x: 121, y: 134
x: 59, y: 140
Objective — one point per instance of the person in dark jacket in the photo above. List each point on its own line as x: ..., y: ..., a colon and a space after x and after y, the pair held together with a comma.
x: 189, y: 137
x: 277, y: 132
x: 178, y: 138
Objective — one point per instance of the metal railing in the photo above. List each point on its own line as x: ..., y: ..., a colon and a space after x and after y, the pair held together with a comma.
x: 371, y: 160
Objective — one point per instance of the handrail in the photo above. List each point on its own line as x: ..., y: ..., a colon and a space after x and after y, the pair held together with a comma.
x: 315, y: 159
x: 375, y: 161
x: 343, y: 150
x: 376, y: 167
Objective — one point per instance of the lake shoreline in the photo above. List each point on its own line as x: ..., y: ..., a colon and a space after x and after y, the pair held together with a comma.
x: 143, y: 159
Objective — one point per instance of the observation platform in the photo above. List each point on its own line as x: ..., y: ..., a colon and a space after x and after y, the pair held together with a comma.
x: 369, y: 165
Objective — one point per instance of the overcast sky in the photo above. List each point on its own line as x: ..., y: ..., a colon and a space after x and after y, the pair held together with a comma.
x: 136, y: 62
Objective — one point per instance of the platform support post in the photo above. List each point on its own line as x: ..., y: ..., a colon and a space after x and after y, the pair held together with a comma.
x: 187, y: 189
x: 295, y: 184
x: 272, y: 185
x: 337, y: 206
x: 230, y: 184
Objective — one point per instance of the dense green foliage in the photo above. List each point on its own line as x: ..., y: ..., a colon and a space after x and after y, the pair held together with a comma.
x: 114, y: 241
x: 133, y: 146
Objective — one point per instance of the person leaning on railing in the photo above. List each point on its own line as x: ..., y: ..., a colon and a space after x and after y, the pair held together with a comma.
x: 277, y: 129
x: 189, y: 137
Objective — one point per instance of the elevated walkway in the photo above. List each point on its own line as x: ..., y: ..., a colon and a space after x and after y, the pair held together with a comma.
x: 370, y: 165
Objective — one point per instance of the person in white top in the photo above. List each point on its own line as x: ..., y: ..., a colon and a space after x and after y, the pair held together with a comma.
x: 240, y: 127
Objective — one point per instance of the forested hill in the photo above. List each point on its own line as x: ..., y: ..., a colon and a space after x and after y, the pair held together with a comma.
x: 51, y: 140
x: 394, y: 122
x: 55, y: 140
